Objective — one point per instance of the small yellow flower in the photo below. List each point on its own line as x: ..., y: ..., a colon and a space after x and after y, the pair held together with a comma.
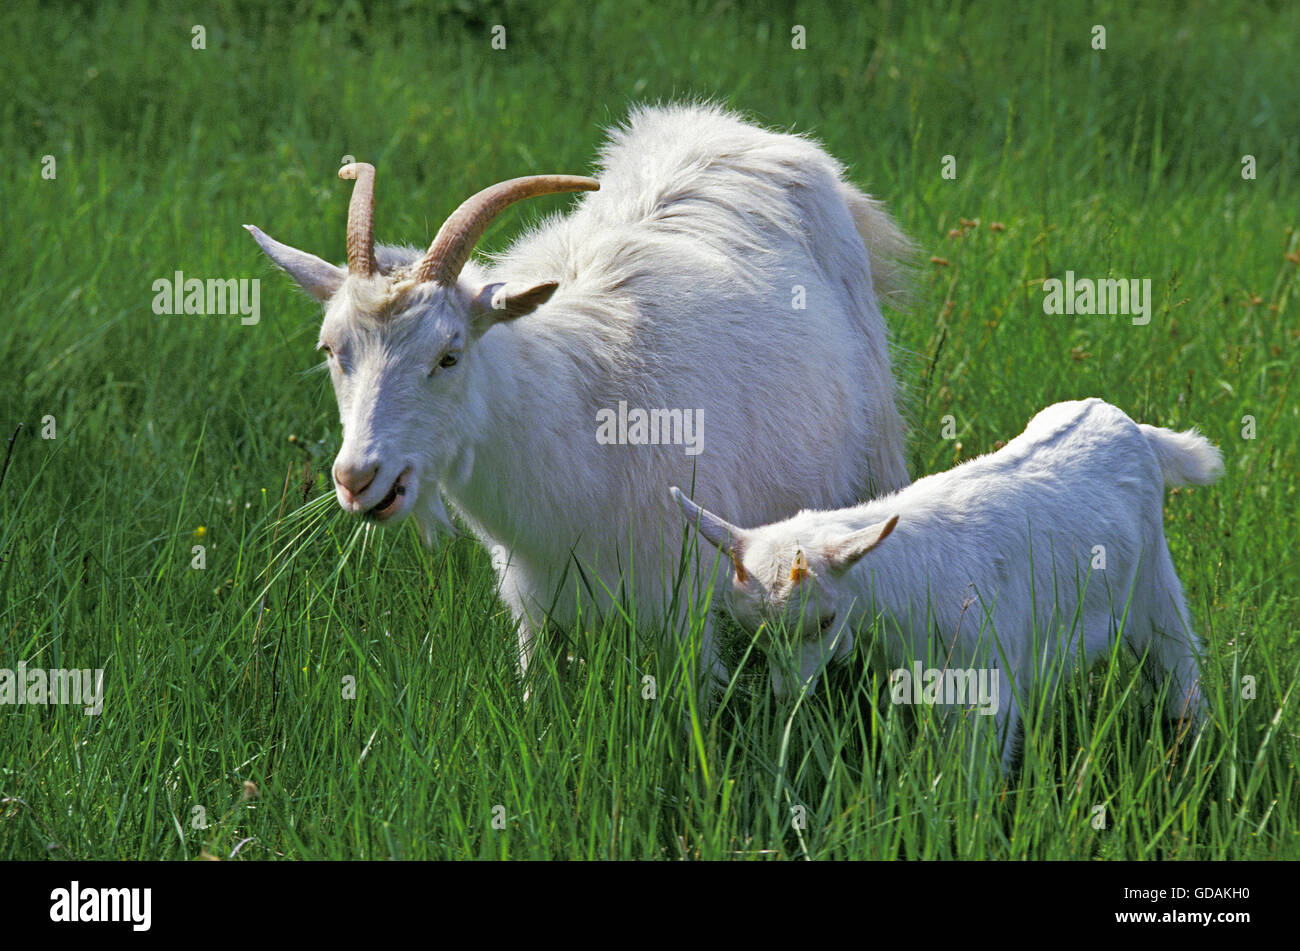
x: 200, y: 531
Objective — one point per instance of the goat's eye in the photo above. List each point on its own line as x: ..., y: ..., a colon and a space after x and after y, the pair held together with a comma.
x: 449, y: 359
x: 826, y: 621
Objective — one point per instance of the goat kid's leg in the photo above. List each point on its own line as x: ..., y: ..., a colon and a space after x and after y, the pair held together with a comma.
x: 1172, y: 648
x: 1175, y: 653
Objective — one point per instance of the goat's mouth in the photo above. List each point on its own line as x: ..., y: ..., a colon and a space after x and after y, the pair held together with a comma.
x: 391, y: 503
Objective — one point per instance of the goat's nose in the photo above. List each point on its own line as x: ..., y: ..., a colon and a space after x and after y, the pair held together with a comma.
x: 355, y: 477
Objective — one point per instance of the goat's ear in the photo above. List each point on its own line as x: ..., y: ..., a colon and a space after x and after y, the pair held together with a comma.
x: 508, y: 301
x: 843, y: 553
x: 721, y: 534
x: 318, y: 278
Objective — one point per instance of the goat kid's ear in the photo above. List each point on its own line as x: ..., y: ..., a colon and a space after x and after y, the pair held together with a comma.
x: 318, y: 278
x: 845, y: 552
x: 721, y: 534
x: 508, y: 301
x: 799, y: 568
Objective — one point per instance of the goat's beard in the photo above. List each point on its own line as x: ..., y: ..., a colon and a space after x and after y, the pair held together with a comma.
x: 432, y: 518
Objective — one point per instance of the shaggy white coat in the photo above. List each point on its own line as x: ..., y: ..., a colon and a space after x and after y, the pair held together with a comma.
x: 678, y: 282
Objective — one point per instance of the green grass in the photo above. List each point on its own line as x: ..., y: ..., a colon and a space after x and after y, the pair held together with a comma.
x: 171, y: 431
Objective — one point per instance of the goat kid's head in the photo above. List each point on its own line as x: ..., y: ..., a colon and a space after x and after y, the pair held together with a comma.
x: 398, y: 337
x: 787, y: 588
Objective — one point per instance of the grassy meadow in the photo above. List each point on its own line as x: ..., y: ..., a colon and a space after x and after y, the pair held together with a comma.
x: 318, y: 692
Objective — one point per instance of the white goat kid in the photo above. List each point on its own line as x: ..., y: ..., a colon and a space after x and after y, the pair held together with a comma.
x: 1008, y: 561
x: 719, y: 268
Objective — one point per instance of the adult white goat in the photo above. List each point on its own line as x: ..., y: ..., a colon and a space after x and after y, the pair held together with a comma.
x: 1009, y: 561
x: 722, y: 273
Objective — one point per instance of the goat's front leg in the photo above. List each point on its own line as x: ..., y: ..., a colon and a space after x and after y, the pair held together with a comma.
x: 712, y: 672
x: 1007, y: 720
x: 527, y: 631
x: 704, y: 670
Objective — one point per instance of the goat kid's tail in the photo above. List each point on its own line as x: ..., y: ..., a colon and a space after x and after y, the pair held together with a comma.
x: 1185, y: 458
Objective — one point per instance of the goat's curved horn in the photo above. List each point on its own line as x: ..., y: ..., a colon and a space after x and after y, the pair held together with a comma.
x: 459, y: 233
x: 361, y: 219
